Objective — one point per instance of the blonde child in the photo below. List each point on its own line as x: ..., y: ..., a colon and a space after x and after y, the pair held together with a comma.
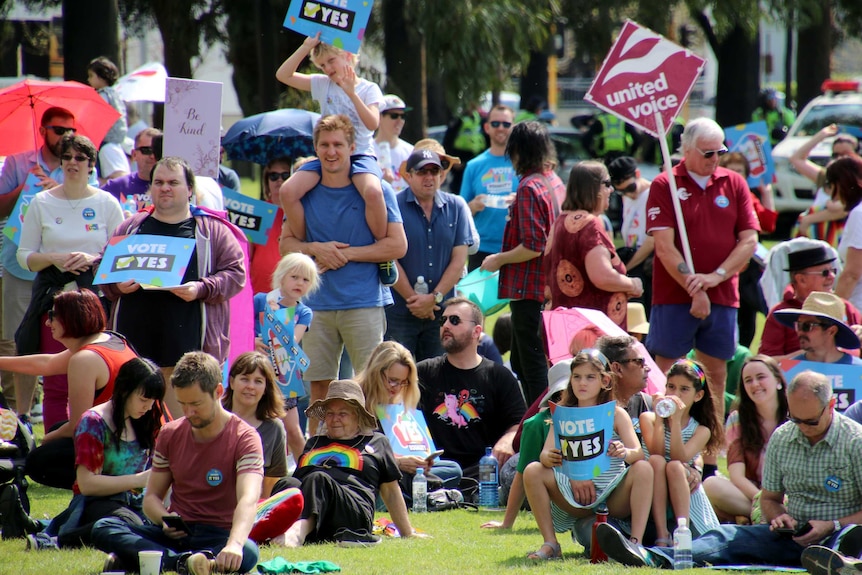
x: 339, y: 91
x: 672, y: 442
x: 558, y: 502
x: 294, y: 277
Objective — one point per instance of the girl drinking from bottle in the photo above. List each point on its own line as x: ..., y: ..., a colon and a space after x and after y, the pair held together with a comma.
x: 671, y: 442
x: 558, y: 502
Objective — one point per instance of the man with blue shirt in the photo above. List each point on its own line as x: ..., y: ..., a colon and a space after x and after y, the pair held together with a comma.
x: 821, y: 329
x: 44, y: 163
x: 438, y: 233
x: 348, y: 307
x: 489, y: 185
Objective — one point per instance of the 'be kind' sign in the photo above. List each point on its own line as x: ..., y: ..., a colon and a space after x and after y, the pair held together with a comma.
x: 582, y: 434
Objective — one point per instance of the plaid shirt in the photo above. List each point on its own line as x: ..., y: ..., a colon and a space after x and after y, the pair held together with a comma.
x: 529, y: 222
x: 821, y: 481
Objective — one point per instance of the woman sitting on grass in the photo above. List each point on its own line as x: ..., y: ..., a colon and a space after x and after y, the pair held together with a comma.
x: 113, y: 445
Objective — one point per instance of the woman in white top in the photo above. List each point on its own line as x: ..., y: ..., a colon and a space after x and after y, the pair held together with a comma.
x: 845, y: 176
x: 65, y: 228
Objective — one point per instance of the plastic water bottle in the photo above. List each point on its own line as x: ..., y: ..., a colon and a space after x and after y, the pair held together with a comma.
x: 665, y: 407
x: 385, y: 156
x: 489, y: 484
x: 596, y: 553
x: 130, y: 205
x: 421, y: 286
x: 682, y: 545
x: 420, y: 491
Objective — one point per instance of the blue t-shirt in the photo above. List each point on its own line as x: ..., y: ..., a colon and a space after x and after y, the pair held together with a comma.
x: 302, y: 315
x: 494, y: 176
x: 846, y: 359
x: 338, y: 214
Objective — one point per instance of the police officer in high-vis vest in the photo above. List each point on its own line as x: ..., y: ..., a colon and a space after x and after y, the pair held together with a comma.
x: 465, y: 138
x: 609, y: 137
x: 778, y: 118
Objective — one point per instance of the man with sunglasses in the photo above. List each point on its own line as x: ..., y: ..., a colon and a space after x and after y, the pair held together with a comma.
x: 696, y: 308
x: 489, y: 185
x: 468, y: 401
x: 821, y: 329
x: 137, y: 184
x: 438, y: 235
x: 389, y: 148
x: 811, y: 270
x: 17, y: 282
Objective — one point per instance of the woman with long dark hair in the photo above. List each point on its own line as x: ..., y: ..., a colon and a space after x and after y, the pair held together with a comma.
x: 845, y: 176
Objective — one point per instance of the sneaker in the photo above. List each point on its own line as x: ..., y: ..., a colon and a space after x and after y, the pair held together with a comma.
x: 40, y: 541
x: 387, y: 272
x: 113, y: 564
x: 36, y: 413
x: 618, y: 547
x: 345, y: 537
x: 850, y: 541
x: 819, y: 560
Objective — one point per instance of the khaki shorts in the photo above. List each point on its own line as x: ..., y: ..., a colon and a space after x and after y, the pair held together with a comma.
x: 359, y: 330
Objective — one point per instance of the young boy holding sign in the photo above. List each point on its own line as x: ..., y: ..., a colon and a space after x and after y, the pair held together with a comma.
x: 556, y: 500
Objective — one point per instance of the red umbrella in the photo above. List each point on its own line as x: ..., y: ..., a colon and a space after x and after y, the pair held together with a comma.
x: 22, y: 105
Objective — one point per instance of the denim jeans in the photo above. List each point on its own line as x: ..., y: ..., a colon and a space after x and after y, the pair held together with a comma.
x: 113, y: 535
x: 420, y: 336
x: 743, y: 545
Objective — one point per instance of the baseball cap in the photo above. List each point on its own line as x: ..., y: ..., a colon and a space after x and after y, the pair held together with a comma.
x: 421, y: 158
x: 393, y: 102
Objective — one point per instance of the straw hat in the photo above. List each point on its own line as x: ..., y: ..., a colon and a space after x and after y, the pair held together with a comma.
x: 827, y: 306
x: 636, y: 318
x: 349, y: 391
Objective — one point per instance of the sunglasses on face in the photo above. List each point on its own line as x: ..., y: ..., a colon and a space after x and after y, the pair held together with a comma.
x: 607, y: 183
x: 639, y: 361
x: 710, y: 153
x: 146, y: 150
x: 50, y: 315
x: 808, y: 422
x: 435, y: 171
x: 453, y: 319
x: 77, y: 158
x: 629, y: 189
x: 61, y: 130
x: 499, y: 124
x: 824, y: 273
x: 806, y: 326
x: 276, y: 176
x: 396, y: 115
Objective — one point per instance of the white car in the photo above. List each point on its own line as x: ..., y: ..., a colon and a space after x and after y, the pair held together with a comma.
x: 841, y: 104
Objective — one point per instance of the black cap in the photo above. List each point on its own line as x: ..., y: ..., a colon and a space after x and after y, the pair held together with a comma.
x: 622, y: 168
x: 421, y: 158
x: 810, y: 257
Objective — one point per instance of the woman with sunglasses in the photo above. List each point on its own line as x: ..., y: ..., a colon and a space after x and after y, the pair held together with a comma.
x: 390, y: 377
x: 265, y: 257
x: 582, y: 268
x: 65, y: 228
x: 845, y: 174
x: 389, y: 148
x: 92, y: 358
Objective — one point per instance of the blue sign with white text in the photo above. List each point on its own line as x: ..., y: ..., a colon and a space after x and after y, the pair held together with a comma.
x: 341, y: 23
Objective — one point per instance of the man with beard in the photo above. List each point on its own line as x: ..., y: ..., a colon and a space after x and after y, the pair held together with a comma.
x: 211, y: 462
x: 823, y: 334
x: 469, y: 402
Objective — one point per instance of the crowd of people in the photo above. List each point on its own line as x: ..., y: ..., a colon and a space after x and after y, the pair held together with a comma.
x: 147, y: 393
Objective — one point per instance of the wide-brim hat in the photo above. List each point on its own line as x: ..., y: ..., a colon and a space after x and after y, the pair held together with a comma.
x: 810, y: 257
x: 827, y: 306
x: 349, y: 391
x: 636, y: 318
x: 558, y: 379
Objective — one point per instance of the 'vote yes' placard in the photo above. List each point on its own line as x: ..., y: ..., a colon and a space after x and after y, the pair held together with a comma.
x: 152, y: 261
x: 583, y: 434
x: 253, y: 217
x: 341, y: 23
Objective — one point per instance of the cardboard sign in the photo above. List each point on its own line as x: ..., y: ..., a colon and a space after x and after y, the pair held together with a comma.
x: 253, y: 217
x: 152, y: 261
x: 287, y: 357
x: 846, y: 379
x: 12, y: 229
x: 644, y: 74
x: 341, y: 23
x: 406, y: 430
x: 583, y: 434
x: 193, y: 124
x: 752, y: 141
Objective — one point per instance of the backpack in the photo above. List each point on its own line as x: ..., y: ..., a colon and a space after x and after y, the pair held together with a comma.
x: 16, y: 442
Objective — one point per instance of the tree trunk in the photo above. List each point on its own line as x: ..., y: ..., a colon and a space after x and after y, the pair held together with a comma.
x: 405, y: 66
x: 813, y: 61
x: 179, y: 35
x: 534, y: 82
x: 738, y: 77
x: 90, y: 30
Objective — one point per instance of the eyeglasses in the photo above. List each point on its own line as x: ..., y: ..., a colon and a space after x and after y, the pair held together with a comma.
x: 498, y: 124
x: 77, y: 158
x: 806, y: 326
x: 824, y: 273
x: 276, y: 176
x: 395, y: 115
x: 710, y: 153
x: 146, y: 150
x: 50, y: 315
x: 337, y: 414
x: 453, y: 319
x: 394, y: 383
x: 607, y: 183
x: 435, y: 171
x: 808, y: 422
x: 60, y: 130
x: 639, y: 361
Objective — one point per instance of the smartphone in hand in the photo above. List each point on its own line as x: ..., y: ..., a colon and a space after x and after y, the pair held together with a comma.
x: 176, y: 522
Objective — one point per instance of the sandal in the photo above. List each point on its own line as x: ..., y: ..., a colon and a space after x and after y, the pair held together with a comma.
x: 664, y: 542
x: 541, y: 555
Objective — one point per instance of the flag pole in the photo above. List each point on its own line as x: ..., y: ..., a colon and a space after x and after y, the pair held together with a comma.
x: 677, y: 207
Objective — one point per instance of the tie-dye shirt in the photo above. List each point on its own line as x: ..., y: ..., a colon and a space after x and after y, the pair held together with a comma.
x: 97, y: 451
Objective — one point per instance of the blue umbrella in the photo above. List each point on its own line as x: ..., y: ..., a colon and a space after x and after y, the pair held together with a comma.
x: 263, y: 137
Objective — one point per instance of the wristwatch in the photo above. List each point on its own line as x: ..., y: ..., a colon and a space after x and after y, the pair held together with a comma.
x: 722, y: 272
x: 438, y: 297
x: 836, y: 526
